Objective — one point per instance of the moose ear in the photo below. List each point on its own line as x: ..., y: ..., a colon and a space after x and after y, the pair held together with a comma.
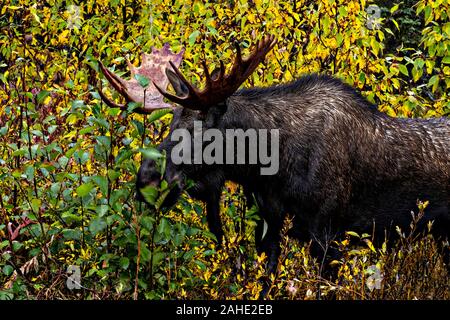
x: 180, y: 88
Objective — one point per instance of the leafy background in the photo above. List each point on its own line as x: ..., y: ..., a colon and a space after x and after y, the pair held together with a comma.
x: 68, y: 162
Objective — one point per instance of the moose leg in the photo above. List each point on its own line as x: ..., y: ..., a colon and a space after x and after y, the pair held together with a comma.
x: 213, y: 216
x: 259, y: 233
x: 259, y: 229
x: 270, y: 244
x: 209, y: 189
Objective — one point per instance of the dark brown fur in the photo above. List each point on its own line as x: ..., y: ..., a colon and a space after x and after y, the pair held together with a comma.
x: 343, y: 164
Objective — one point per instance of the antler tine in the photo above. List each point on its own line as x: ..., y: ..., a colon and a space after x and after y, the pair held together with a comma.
x: 238, y: 58
x: 152, y: 66
x: 131, y: 67
x: 220, y: 86
x: 191, y: 88
x: 169, y: 96
x: 116, y: 82
x: 207, y: 74
x: 189, y: 101
x: 221, y: 75
x: 119, y: 85
x: 108, y: 101
x: 91, y: 79
x: 111, y: 77
x: 242, y: 68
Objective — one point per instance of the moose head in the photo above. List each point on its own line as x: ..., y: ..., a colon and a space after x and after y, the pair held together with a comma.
x: 206, y: 107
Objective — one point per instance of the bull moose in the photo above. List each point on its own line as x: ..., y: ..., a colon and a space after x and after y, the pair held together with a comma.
x: 343, y: 165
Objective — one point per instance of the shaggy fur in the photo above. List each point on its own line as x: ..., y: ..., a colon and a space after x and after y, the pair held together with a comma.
x: 343, y: 164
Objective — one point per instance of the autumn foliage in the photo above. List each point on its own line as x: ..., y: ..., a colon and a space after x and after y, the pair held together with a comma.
x: 68, y: 162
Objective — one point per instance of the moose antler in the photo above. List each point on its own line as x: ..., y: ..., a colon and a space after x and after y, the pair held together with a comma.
x: 220, y: 87
x: 152, y: 67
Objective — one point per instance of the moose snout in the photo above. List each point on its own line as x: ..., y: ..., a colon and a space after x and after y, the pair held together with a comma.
x: 148, y: 175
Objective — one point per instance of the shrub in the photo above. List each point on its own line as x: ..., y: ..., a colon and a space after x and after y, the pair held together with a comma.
x: 68, y: 162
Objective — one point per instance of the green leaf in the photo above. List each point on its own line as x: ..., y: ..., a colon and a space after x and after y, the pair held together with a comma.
x: 419, y: 63
x: 102, y: 183
x: 101, y: 122
x: 201, y: 265
x: 71, y: 234
x: 70, y: 217
x: 403, y: 69
x: 36, y: 205
x: 139, y: 126
x: 208, y: 234
x: 193, y: 37
x: 97, y: 225
x: 417, y: 73
x: 102, y: 210
x: 157, y: 258
x: 342, y: 11
x: 394, y: 8
x: 446, y: 60
x: 78, y: 104
x: 145, y: 252
x: 132, y: 106
x: 124, y: 262
x: 339, y: 39
x: 427, y: 14
x: 19, y: 152
x: 41, y: 96
x: 212, y: 30
x: 3, y: 130
x: 362, y: 77
x: 161, y: 199
x: 434, y: 82
x: 8, y: 270
x: 149, y: 193
x: 113, y: 175
x: 147, y: 222
x: 434, y: 79
x: 165, y: 227
x: 143, y: 80
x: 155, y: 115
x: 86, y: 130
x: 352, y: 233
x: 63, y: 160
x: 150, y: 153
x: 17, y: 245
x: 84, y: 189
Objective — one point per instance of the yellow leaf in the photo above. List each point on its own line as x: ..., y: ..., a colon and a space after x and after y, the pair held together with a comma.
x: 370, y: 245
x: 63, y: 37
